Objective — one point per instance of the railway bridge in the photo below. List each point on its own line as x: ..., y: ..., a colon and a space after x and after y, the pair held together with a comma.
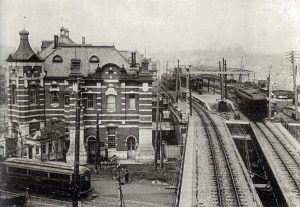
x: 213, y: 170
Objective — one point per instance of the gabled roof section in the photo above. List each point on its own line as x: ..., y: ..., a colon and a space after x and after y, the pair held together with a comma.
x: 105, y: 54
x: 24, y: 53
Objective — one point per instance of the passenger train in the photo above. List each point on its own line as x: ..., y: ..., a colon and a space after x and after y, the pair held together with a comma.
x: 48, y: 177
x: 252, y: 102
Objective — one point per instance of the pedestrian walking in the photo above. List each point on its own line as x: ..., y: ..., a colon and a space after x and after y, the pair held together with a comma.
x: 126, y: 176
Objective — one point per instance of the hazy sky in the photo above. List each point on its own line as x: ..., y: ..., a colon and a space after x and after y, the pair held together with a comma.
x: 255, y: 25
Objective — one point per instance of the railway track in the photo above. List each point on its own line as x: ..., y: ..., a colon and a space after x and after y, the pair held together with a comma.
x: 227, y: 189
x: 286, y: 160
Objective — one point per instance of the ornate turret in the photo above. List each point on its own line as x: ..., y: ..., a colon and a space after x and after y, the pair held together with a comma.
x: 64, y: 38
x: 24, y: 53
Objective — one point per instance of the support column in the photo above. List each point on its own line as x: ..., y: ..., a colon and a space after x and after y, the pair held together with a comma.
x: 145, y: 151
x: 71, y: 152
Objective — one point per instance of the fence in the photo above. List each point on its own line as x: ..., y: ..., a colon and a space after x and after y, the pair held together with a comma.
x: 172, y: 151
x: 294, y: 131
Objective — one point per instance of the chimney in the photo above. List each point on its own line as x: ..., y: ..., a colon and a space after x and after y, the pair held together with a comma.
x: 134, y: 59
x: 145, y: 64
x: 131, y: 59
x: 83, y: 40
x: 55, y: 41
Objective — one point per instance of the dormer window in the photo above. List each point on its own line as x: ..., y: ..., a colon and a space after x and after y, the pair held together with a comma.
x: 94, y: 59
x: 57, y: 59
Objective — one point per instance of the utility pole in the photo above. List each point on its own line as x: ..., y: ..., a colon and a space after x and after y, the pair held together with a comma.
x: 225, y: 69
x: 122, y: 202
x: 191, y: 109
x: 221, y: 82
x: 295, y: 84
x: 177, y: 79
x: 77, y: 146
x: 186, y: 91
x: 97, y: 147
x: 269, y: 92
x: 161, y: 149
x: 4, y: 149
x: 156, y: 130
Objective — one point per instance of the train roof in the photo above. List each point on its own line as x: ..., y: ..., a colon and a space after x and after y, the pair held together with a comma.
x: 48, y: 166
x: 251, y: 93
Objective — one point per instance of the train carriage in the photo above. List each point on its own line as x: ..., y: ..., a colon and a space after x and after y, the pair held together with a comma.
x: 47, y: 177
x: 252, y: 102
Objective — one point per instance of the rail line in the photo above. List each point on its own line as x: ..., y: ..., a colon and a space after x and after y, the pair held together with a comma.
x: 226, y: 184
x: 287, y: 162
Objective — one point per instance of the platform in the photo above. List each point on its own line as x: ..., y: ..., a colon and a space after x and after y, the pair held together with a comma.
x: 290, y: 196
x: 186, y: 193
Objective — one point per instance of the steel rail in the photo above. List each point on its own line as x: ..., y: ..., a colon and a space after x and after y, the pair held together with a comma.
x: 279, y: 140
x: 224, y: 152
x: 216, y: 172
x: 280, y: 157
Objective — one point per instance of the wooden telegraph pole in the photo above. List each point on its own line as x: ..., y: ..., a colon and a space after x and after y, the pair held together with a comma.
x: 292, y: 57
x: 225, y: 79
x: 156, y: 130
x: 77, y: 147
x: 295, y: 85
x: 221, y: 82
x: 269, y: 94
x: 177, y: 79
x: 97, y: 158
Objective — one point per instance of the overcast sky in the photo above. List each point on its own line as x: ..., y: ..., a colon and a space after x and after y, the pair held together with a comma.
x: 269, y: 26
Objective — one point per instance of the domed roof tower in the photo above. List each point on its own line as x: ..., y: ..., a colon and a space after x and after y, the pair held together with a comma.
x: 24, y: 53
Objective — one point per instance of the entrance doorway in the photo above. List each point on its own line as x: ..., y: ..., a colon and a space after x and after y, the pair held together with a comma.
x: 91, y: 148
x: 131, y: 147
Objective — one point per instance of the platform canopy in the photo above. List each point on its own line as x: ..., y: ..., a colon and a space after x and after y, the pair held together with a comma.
x: 213, y: 70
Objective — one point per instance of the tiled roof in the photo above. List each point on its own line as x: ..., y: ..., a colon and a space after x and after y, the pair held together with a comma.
x: 106, y: 55
x: 24, y: 53
x: 65, y: 41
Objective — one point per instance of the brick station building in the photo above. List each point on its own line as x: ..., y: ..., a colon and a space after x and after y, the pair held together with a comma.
x: 42, y: 89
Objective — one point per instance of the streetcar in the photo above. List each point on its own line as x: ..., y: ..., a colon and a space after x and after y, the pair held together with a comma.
x: 45, y: 177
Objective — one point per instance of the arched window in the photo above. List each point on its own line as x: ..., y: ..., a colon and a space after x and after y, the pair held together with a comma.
x: 131, y: 144
x: 54, y: 97
x: 94, y: 59
x: 111, y: 103
x: 57, y: 59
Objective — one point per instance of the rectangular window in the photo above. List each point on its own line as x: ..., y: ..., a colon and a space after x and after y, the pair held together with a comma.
x: 67, y: 99
x: 111, y: 139
x: 59, y: 176
x: 50, y: 146
x: 54, y: 97
x: 166, y: 115
x: 13, y: 170
x: 131, y: 101
x: 37, y: 150
x: 38, y: 173
x: 90, y: 100
x: 14, y: 94
x: 44, y: 148
x: 56, y: 146
x: 32, y: 95
x: 33, y: 127
x: 111, y: 103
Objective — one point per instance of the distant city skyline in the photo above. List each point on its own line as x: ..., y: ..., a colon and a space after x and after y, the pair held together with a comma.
x: 158, y: 25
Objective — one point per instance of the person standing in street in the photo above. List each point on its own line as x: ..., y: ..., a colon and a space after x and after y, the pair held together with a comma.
x: 126, y: 176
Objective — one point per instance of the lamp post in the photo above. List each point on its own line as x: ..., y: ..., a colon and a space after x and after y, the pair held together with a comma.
x: 188, y: 89
x: 122, y: 203
x: 77, y: 145
x: 97, y: 147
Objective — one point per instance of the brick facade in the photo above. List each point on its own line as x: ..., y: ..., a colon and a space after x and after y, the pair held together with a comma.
x: 119, y: 92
